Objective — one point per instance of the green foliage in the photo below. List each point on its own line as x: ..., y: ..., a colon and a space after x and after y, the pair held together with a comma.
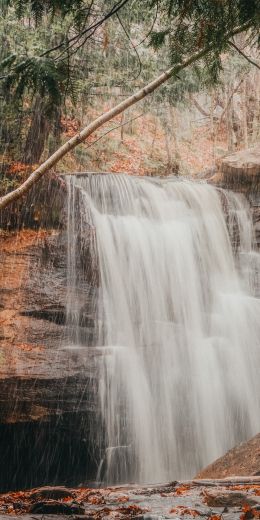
x: 248, y: 10
x: 28, y: 74
x: 197, y: 24
x: 158, y: 38
x: 37, y: 75
x: 37, y: 8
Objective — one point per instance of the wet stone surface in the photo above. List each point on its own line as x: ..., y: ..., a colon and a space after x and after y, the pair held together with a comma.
x: 47, y: 389
x: 236, y: 499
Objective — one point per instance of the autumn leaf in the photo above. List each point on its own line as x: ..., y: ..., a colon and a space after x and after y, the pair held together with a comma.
x: 182, y: 490
x: 132, y: 510
x: 182, y: 510
x: 247, y: 512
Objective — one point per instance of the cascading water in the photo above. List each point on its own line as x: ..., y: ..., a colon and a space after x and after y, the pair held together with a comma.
x: 178, y: 321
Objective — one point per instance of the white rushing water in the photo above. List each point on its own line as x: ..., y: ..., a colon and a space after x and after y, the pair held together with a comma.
x: 179, y: 322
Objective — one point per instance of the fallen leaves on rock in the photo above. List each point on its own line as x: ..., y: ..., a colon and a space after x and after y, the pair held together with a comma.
x: 132, y: 510
x: 181, y: 490
x: 182, y: 510
x: 97, y: 498
x: 225, y: 499
x: 133, y: 502
x: 249, y: 512
x: 124, y: 513
x: 247, y: 487
x: 118, y: 498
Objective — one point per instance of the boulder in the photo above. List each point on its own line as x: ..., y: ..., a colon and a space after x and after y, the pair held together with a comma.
x: 242, y: 460
x: 242, y: 167
x: 54, y: 507
x: 51, y: 493
x: 240, y: 171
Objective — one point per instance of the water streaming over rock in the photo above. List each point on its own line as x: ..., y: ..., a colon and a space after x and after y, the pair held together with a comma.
x: 178, y: 321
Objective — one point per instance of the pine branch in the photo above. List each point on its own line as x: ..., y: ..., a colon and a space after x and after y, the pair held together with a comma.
x: 92, y: 27
x: 132, y: 45
x: 151, y: 28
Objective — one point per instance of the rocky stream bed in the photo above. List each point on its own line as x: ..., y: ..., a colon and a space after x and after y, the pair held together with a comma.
x: 232, y: 499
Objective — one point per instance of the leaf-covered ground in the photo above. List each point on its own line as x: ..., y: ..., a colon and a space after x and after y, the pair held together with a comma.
x: 235, y: 499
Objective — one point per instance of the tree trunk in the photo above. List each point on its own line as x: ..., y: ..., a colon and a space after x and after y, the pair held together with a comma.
x: 174, y: 124
x: 256, y: 115
x: 244, y: 114
x: 37, y: 134
x: 212, y: 127
x: 171, y: 141
x: 198, y: 106
x: 122, y: 127
x: 229, y: 119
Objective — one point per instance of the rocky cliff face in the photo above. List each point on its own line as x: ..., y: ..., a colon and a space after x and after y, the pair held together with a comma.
x: 32, y: 292
x: 47, y: 392
x: 240, y: 172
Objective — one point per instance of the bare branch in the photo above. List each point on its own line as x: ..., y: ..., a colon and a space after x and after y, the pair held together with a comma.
x: 132, y: 45
x: 152, y: 26
x: 114, y: 128
x: 244, y: 55
x: 199, y: 107
x: 91, y: 29
x: 230, y: 99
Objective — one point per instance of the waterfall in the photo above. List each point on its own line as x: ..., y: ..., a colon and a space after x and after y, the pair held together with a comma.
x: 177, y: 320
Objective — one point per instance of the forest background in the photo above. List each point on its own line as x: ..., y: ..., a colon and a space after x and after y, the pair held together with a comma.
x: 63, y: 63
